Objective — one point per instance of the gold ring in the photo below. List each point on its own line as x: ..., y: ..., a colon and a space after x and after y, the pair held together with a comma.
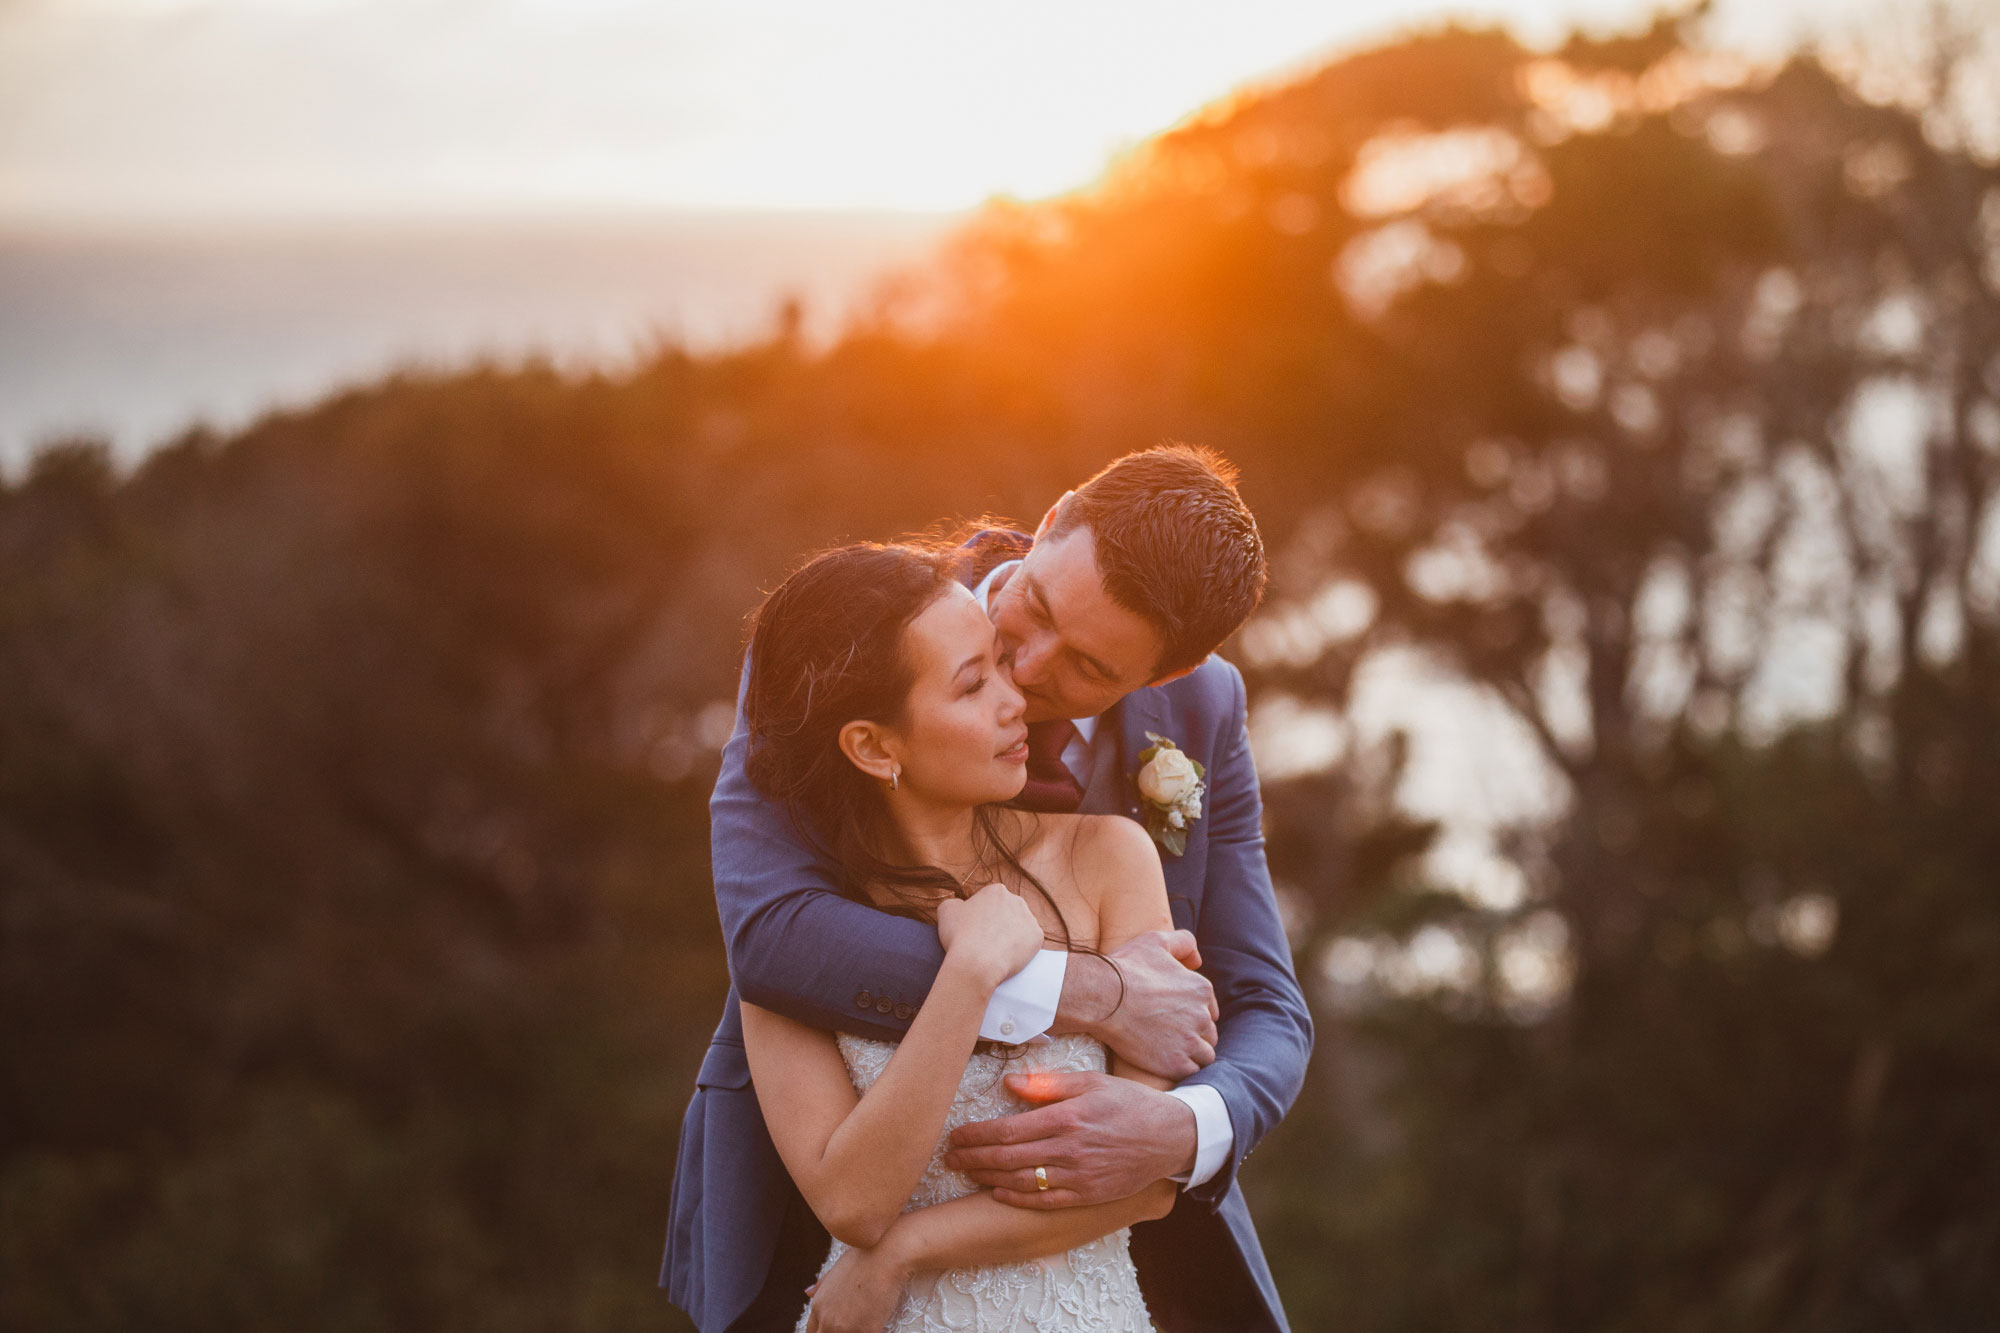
x: 1041, y: 1177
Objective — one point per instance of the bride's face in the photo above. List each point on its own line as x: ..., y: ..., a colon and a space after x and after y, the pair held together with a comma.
x: 962, y: 739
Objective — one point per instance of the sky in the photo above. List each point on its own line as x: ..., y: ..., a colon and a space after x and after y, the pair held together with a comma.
x: 147, y: 111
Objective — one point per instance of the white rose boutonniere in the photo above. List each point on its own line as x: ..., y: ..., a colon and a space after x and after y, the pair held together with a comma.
x: 1171, y: 788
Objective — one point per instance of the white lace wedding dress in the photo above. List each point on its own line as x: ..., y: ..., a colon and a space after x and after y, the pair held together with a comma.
x: 1091, y: 1289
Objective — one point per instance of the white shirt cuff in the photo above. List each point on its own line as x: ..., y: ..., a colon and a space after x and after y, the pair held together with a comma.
x: 1214, y: 1136
x: 1023, y: 1006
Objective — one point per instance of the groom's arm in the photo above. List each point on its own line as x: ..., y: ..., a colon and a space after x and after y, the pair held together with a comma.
x: 1116, y: 1137
x: 798, y: 947
x: 1265, y: 1030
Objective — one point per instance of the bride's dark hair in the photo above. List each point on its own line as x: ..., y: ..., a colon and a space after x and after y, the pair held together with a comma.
x: 827, y: 648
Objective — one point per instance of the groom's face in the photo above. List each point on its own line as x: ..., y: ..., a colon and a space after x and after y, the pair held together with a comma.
x: 1073, y: 651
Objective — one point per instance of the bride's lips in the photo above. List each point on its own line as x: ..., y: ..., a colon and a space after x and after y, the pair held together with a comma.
x: 1017, y: 753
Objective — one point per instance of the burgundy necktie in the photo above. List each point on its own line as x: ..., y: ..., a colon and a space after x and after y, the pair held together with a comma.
x: 1051, y: 786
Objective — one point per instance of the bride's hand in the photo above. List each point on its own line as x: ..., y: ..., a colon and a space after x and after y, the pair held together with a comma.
x: 994, y: 931
x: 859, y: 1294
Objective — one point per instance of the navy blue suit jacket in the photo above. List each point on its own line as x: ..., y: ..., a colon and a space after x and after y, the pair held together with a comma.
x: 797, y: 946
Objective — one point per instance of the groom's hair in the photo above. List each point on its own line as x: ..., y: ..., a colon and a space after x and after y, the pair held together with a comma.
x: 1175, y: 544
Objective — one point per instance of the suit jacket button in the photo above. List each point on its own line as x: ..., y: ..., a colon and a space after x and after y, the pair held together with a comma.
x: 863, y: 1000
x: 884, y: 1005
x: 905, y: 1012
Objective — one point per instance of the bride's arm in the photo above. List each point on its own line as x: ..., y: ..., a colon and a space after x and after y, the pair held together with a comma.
x: 979, y: 1230
x: 1118, y: 869
x: 1118, y: 865
x: 863, y: 1289
x: 857, y: 1158
x: 1119, y: 872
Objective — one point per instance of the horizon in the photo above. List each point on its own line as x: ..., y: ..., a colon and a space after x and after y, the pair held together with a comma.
x: 135, y: 334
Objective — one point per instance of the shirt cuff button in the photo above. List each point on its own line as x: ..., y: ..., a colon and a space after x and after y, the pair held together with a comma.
x: 1007, y: 1028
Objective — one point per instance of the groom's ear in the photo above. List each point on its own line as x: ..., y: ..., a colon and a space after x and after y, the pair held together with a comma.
x: 1049, y: 519
x: 867, y: 748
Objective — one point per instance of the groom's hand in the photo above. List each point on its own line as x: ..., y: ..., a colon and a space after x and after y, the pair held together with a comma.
x: 1098, y: 1138
x: 1154, y: 1010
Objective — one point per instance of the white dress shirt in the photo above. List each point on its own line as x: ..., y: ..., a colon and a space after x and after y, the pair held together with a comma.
x: 1023, y: 1006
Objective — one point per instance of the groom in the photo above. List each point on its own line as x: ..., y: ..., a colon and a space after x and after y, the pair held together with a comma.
x: 1109, y: 614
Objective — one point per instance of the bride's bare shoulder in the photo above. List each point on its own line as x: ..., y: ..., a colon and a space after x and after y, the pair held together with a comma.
x: 1114, y: 835
x: 1103, y: 850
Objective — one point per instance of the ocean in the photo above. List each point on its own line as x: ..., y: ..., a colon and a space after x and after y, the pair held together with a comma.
x: 133, y: 336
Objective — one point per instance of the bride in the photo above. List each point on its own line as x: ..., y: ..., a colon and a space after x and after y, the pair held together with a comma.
x: 882, y: 719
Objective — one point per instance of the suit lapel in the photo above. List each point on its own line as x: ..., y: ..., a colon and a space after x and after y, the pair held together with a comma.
x: 1114, y: 759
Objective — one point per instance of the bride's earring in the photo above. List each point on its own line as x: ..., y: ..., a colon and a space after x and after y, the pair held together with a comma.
x: 894, y: 773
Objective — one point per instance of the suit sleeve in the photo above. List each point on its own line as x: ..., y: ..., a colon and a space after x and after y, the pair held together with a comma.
x: 1265, y: 1033
x: 795, y: 945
